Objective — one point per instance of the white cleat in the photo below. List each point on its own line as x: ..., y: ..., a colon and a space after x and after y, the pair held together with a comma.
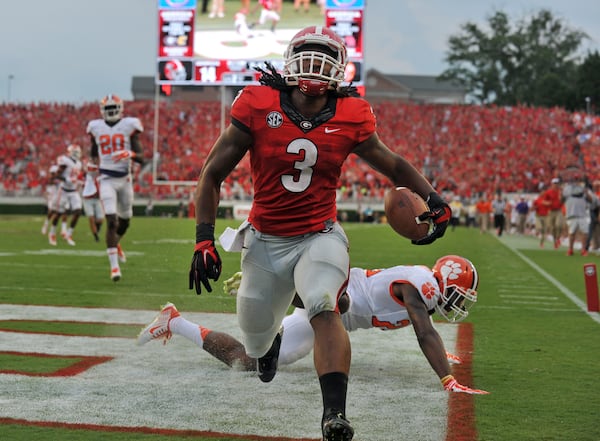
x: 70, y: 241
x: 121, y: 254
x: 52, y: 239
x: 115, y: 274
x: 159, y: 328
x: 45, y: 229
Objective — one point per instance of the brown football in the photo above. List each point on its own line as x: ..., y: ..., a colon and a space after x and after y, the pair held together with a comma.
x: 402, y: 207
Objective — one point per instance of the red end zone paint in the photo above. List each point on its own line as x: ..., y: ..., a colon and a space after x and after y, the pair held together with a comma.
x: 461, y: 407
x: 149, y: 430
x: 84, y: 363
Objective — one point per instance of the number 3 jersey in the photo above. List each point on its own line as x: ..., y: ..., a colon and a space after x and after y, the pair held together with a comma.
x: 111, y: 139
x: 296, y: 162
x: 372, y: 302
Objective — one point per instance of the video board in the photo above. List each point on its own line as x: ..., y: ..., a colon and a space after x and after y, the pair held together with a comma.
x: 223, y: 47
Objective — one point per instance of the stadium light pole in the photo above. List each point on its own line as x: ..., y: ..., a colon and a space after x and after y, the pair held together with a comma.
x: 10, y: 78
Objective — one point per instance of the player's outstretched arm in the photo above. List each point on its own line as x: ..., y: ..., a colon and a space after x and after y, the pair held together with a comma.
x: 429, y: 339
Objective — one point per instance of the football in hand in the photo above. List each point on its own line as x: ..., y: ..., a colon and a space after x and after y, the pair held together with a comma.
x: 402, y: 209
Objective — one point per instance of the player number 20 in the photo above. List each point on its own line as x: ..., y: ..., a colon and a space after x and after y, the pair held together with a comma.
x: 111, y: 143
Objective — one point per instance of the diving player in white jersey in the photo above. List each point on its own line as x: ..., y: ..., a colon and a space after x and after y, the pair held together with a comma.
x: 67, y: 199
x: 115, y: 143
x: 388, y: 299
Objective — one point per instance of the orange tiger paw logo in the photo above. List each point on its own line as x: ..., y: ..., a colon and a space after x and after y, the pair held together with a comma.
x: 428, y: 290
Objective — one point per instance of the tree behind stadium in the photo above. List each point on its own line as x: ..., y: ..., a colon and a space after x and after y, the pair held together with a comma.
x: 534, y: 62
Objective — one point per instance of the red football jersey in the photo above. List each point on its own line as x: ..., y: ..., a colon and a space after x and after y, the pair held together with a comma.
x: 296, y: 162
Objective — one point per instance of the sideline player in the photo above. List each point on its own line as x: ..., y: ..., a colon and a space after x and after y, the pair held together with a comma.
x: 67, y: 200
x: 387, y: 299
x: 299, y: 128
x: 115, y: 143
x: 92, y: 207
x: 268, y: 11
x: 50, y: 196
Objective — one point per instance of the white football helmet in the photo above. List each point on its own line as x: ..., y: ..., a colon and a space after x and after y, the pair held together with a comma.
x: 315, y: 60
x: 111, y: 108
x: 459, y: 280
x: 74, y: 151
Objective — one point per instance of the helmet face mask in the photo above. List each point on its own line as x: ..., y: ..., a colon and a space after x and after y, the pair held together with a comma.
x: 111, y: 108
x: 459, y: 287
x: 315, y: 61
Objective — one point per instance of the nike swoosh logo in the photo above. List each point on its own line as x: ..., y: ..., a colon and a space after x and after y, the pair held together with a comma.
x: 328, y: 130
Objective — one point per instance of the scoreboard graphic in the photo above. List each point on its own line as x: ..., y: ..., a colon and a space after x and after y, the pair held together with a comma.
x: 194, y: 49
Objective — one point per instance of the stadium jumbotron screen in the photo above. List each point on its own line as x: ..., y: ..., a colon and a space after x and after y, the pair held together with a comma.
x: 222, y: 47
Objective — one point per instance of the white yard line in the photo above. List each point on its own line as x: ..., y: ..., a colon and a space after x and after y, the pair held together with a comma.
x: 566, y: 291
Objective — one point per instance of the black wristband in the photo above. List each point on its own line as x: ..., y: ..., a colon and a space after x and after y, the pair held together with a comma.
x: 205, y: 232
x: 434, y: 199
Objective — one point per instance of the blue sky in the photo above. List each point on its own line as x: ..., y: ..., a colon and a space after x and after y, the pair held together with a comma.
x: 77, y: 51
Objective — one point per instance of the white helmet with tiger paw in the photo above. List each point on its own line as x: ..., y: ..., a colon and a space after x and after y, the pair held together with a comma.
x: 111, y: 108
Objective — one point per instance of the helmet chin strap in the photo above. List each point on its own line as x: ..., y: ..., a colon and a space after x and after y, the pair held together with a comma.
x: 312, y: 87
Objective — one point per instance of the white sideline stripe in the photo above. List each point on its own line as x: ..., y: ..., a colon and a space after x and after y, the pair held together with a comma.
x: 517, y: 296
x: 510, y: 288
x: 567, y: 292
x: 75, y: 252
x: 106, y: 292
x: 532, y: 302
x: 520, y: 308
x: 181, y: 387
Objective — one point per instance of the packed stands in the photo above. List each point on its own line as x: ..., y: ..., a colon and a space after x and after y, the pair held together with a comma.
x: 464, y: 149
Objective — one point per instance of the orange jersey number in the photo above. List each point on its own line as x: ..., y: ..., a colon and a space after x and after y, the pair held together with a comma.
x: 111, y: 143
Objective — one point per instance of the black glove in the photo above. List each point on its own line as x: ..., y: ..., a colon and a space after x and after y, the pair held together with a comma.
x: 439, y: 214
x: 206, y: 263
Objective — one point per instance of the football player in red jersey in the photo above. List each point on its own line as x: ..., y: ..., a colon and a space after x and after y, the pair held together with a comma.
x: 388, y: 299
x: 299, y: 128
x: 115, y: 144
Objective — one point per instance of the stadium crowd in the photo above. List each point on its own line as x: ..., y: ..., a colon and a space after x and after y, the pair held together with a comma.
x: 464, y: 150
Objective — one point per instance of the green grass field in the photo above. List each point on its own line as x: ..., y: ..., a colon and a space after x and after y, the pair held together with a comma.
x: 535, y: 349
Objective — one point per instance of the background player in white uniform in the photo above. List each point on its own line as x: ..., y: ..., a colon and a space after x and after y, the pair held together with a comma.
x: 68, y: 199
x: 115, y: 143
x: 390, y: 298
x: 50, y: 196
x: 240, y: 24
x: 92, y: 207
x: 267, y: 12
